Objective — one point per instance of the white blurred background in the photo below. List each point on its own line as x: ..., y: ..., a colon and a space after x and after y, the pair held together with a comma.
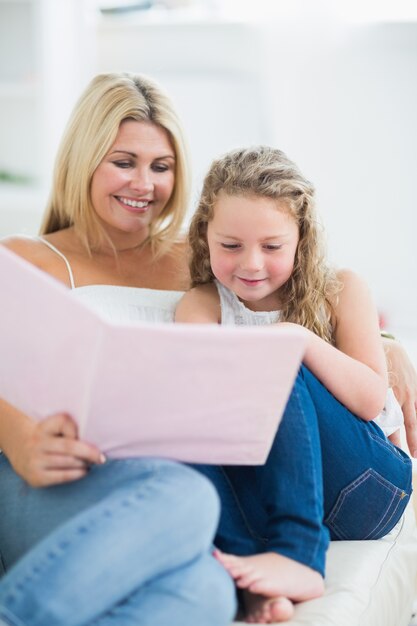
x: 334, y: 85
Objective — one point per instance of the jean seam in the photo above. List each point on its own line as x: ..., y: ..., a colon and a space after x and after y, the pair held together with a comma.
x: 251, y: 531
x: 396, y: 491
x: 2, y: 566
x: 388, y: 446
x: 58, y: 550
x: 356, y: 483
x: 384, y: 522
x: 316, y: 548
x: 12, y: 620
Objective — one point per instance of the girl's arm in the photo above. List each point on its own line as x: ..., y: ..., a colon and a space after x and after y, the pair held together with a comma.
x: 46, y: 452
x: 355, y: 369
x: 200, y: 305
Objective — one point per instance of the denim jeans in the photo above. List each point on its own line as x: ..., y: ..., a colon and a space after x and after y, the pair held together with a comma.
x: 328, y: 475
x: 129, y: 544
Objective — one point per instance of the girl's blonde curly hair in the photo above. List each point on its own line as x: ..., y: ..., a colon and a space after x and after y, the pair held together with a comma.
x: 308, y: 294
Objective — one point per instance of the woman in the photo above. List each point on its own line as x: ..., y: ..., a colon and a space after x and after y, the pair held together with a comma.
x: 106, y: 550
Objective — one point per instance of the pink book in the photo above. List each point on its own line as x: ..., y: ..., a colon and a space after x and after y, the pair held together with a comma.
x: 195, y: 393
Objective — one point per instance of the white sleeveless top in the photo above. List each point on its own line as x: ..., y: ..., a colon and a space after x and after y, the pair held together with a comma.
x: 123, y: 304
x: 234, y: 312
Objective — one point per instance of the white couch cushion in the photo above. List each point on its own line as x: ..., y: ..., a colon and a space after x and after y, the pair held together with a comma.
x: 368, y: 583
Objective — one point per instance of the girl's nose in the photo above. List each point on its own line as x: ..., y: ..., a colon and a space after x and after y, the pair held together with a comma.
x: 252, y: 260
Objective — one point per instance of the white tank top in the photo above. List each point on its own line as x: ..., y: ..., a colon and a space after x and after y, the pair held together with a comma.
x: 233, y: 311
x: 123, y: 304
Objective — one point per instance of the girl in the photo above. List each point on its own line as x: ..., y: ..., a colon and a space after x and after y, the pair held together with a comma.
x: 257, y: 258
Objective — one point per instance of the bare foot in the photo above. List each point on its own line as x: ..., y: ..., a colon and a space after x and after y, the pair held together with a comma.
x: 273, y: 575
x: 262, y: 610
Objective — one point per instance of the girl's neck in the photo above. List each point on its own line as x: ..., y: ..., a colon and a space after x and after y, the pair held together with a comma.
x: 268, y: 304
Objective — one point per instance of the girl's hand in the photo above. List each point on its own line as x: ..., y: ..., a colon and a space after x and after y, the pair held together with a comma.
x: 395, y: 438
x: 403, y: 380
x: 51, y: 453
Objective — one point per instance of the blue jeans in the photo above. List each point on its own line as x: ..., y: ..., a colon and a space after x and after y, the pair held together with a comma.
x: 328, y: 475
x: 128, y: 544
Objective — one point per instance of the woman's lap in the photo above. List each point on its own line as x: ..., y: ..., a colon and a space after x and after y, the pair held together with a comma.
x: 30, y: 514
x: 124, y: 529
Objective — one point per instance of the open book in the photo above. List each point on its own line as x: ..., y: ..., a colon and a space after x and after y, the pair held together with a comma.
x: 195, y: 393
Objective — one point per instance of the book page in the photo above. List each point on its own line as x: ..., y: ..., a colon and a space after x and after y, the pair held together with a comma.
x: 199, y: 393
x: 196, y: 393
x: 47, y: 342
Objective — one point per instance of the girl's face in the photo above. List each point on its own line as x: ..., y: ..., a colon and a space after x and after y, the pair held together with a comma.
x: 134, y: 181
x: 252, y: 243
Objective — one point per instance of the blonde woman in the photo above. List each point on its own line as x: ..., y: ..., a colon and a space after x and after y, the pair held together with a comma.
x: 256, y: 259
x: 82, y: 540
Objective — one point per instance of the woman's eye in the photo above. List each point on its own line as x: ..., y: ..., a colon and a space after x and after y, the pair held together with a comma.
x: 123, y: 164
x: 271, y: 246
x: 160, y: 167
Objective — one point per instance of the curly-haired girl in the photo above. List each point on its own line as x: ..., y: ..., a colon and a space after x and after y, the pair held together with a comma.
x: 257, y: 258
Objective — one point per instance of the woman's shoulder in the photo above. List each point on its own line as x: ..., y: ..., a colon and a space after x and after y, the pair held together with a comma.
x: 35, y: 251
x: 29, y: 248
x: 173, y: 267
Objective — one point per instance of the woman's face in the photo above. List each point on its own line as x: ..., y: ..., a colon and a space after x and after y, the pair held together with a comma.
x: 134, y: 181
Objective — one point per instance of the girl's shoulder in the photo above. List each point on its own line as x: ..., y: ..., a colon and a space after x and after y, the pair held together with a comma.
x: 354, y: 300
x: 200, y: 304
x: 350, y: 281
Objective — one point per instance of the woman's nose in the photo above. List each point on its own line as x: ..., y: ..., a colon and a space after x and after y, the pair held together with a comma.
x: 142, y: 182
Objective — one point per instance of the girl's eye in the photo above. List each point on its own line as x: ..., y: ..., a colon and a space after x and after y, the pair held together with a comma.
x: 271, y: 246
x: 230, y: 246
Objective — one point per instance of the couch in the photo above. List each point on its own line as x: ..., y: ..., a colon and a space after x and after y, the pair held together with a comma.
x: 368, y: 583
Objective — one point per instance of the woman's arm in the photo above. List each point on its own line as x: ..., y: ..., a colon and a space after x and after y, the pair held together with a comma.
x: 46, y: 452
x: 200, y: 305
x: 355, y: 369
x: 403, y: 380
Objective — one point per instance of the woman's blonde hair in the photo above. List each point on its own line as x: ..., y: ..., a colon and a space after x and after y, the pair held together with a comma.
x: 267, y: 172
x: 108, y: 100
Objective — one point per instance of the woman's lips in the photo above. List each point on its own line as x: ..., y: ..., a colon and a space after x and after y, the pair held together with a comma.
x: 135, y: 206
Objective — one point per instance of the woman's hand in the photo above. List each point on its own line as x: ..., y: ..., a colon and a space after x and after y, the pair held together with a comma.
x: 403, y: 380
x: 50, y: 452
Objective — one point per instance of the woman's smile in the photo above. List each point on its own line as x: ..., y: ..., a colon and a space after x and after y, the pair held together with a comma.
x: 136, y: 206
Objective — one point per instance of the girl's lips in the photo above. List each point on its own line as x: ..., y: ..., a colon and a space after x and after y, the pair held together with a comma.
x: 251, y: 282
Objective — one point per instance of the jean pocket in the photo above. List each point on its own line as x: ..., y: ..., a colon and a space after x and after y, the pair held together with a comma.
x: 368, y: 508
